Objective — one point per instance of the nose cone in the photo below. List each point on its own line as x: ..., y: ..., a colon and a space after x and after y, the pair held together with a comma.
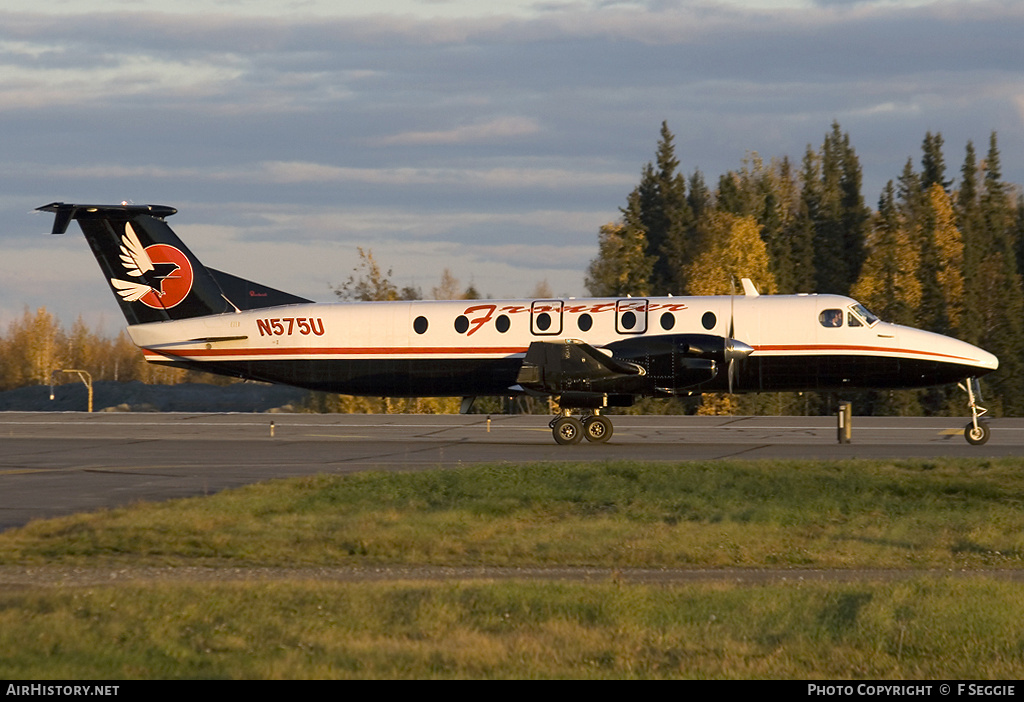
x: 927, y: 358
x: 986, y: 361
x: 969, y: 359
x: 974, y: 359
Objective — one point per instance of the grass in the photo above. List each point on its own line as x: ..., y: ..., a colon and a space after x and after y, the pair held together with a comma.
x: 906, y: 514
x: 939, y: 514
x: 918, y: 629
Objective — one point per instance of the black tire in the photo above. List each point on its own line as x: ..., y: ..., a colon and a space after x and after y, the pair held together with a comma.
x: 979, y: 436
x: 567, y: 430
x: 597, y: 429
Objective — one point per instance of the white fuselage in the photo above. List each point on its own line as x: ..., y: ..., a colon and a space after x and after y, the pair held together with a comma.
x: 814, y: 341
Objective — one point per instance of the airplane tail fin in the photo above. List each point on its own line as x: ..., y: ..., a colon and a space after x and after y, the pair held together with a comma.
x: 151, y: 272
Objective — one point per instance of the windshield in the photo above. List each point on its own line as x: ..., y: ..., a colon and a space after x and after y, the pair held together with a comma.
x: 865, y: 314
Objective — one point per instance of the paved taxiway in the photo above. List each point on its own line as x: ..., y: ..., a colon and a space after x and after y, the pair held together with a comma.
x: 60, y: 463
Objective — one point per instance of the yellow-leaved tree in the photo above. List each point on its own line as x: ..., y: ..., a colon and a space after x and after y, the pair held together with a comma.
x: 949, y: 249
x: 731, y: 249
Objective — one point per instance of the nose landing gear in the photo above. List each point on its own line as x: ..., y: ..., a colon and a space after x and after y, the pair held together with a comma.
x: 976, y: 433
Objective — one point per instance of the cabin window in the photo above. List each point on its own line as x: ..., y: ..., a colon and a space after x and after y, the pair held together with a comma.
x: 419, y: 325
x: 461, y: 323
x: 585, y: 322
x: 831, y: 318
x: 628, y: 320
x: 502, y: 323
x: 543, y: 321
x: 709, y: 320
x: 668, y: 320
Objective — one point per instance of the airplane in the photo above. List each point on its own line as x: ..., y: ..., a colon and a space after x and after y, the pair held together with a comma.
x: 588, y: 354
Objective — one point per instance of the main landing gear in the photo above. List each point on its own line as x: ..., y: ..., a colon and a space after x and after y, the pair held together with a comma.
x: 976, y: 432
x: 568, y: 430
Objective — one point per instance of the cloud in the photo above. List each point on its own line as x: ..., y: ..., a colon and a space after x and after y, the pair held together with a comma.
x: 309, y: 62
x: 304, y: 172
x: 495, y: 129
x: 286, y: 135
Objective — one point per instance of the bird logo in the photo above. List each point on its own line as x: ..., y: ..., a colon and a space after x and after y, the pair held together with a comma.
x: 162, y: 273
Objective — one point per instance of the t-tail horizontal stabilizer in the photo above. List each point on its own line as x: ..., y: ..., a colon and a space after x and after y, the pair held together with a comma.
x: 153, y: 275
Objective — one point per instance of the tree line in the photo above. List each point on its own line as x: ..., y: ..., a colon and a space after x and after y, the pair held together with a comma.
x: 36, y: 344
x: 939, y: 253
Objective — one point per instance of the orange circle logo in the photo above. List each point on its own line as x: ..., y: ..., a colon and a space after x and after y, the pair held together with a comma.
x: 173, y: 272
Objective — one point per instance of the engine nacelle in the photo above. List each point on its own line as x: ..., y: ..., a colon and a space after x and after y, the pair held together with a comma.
x: 641, y: 366
x: 676, y: 361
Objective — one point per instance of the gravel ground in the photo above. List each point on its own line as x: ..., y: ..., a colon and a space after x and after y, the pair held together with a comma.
x: 12, y: 577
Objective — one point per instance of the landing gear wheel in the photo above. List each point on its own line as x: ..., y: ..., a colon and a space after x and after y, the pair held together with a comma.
x: 597, y: 429
x: 976, y: 436
x: 976, y: 432
x: 567, y: 430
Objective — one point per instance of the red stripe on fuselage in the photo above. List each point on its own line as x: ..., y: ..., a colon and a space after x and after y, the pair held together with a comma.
x: 306, y: 351
x: 872, y: 349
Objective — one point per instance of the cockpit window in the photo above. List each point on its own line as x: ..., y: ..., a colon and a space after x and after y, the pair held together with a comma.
x: 831, y: 318
x: 865, y: 314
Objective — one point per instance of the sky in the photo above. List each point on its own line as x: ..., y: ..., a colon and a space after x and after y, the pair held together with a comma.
x: 490, y: 139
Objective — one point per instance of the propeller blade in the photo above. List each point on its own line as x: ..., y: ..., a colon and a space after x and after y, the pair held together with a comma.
x: 735, y: 350
x: 732, y: 306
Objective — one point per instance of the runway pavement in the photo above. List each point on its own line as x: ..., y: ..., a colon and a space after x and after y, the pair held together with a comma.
x: 60, y: 463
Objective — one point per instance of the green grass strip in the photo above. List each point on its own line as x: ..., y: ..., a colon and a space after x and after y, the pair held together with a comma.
x: 853, y: 514
x: 919, y: 629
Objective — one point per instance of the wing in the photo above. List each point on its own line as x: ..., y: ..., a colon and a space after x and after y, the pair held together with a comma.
x: 133, y: 254
x: 132, y: 292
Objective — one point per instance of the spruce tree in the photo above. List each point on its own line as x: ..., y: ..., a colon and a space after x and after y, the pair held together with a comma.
x: 802, y: 227
x: 699, y: 196
x: 1019, y: 232
x: 855, y: 214
x: 1001, y: 300
x: 666, y: 217
x: 933, y: 163
x: 909, y: 193
x: 840, y: 219
x: 968, y: 214
x: 778, y: 200
x: 728, y: 197
x: 829, y: 263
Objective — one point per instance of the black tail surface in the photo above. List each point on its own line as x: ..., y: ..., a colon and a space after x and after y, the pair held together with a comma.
x: 151, y: 272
